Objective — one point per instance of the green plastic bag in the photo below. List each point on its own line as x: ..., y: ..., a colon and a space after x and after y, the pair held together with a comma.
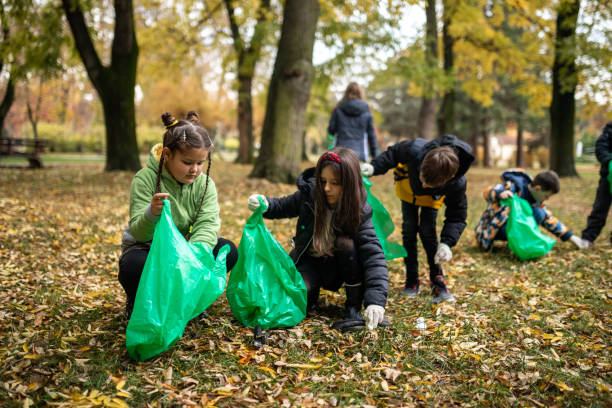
x: 265, y: 289
x: 331, y: 142
x: 610, y: 175
x: 383, y: 225
x: 524, y: 236
x: 179, y: 281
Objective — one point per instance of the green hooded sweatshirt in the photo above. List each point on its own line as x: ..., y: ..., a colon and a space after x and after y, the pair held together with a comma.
x: 184, y: 198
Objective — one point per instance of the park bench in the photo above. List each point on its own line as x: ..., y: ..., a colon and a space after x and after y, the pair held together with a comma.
x: 28, y: 148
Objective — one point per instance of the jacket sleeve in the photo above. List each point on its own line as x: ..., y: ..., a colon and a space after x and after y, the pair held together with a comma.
x: 372, y: 141
x: 454, y: 216
x: 603, y: 146
x: 284, y: 207
x: 545, y: 218
x: 333, y: 127
x: 142, y: 221
x: 376, y: 275
x: 398, y: 153
x: 208, y: 223
x: 491, y: 194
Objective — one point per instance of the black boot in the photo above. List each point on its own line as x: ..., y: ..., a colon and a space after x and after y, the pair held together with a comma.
x: 353, y: 320
x: 311, y: 300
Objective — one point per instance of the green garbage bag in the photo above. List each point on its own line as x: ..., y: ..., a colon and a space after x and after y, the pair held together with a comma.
x: 331, y: 142
x: 610, y: 175
x: 383, y: 225
x: 179, y: 281
x: 524, y: 236
x: 265, y: 289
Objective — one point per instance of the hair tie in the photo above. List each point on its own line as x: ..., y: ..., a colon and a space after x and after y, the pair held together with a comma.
x: 331, y: 156
x: 172, y: 124
x: 184, y: 136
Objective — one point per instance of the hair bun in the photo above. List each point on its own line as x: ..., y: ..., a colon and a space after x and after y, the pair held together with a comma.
x: 193, y: 116
x: 168, y: 119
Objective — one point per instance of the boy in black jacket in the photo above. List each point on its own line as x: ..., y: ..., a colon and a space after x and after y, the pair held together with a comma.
x: 427, y: 175
x: 603, y: 197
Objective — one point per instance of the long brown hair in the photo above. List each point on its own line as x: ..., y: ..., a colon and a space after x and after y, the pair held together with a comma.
x: 353, y: 91
x: 347, y: 215
x: 182, y: 135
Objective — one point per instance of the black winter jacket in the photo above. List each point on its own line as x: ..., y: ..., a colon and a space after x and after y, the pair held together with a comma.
x: 350, y: 122
x: 301, y: 204
x: 603, y: 149
x: 411, y: 153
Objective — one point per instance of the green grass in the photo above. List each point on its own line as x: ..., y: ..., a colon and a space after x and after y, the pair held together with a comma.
x: 520, y: 334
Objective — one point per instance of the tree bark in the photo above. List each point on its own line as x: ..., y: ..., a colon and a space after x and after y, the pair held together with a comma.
x: 248, y: 56
x: 520, y: 155
x: 115, y: 83
x: 486, y: 139
x: 289, y: 91
x: 564, y: 81
x: 7, y: 102
x: 446, y: 115
x: 427, y: 114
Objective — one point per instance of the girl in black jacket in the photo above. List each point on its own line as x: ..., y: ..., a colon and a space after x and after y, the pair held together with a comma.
x: 335, y: 242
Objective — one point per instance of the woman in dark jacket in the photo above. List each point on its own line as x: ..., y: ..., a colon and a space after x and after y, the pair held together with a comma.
x: 603, y: 197
x: 352, y: 124
x: 335, y: 241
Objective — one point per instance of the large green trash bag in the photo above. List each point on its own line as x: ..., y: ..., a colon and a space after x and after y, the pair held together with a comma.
x: 383, y: 225
x: 265, y: 289
x: 179, y: 281
x: 524, y: 236
x: 610, y: 175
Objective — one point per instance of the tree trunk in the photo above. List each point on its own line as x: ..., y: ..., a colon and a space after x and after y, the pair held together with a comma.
x: 564, y: 81
x: 7, y: 102
x: 427, y: 114
x: 520, y: 155
x: 288, y: 94
x: 245, y: 119
x: 446, y: 115
x: 115, y: 83
x: 486, y: 140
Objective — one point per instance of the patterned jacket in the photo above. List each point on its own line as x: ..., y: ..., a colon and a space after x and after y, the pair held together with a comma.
x: 495, y: 215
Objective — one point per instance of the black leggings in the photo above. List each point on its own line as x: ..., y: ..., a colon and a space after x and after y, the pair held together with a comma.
x: 331, y: 272
x: 426, y: 228
x: 601, y: 206
x: 132, y: 263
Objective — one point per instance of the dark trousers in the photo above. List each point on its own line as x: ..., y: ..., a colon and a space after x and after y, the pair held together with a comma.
x: 331, y: 272
x: 425, y: 226
x: 132, y: 263
x: 601, y: 206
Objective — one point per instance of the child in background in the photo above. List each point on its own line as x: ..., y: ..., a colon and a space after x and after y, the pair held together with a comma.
x: 173, y: 172
x: 335, y: 242
x: 603, y: 197
x: 427, y: 175
x: 492, y: 223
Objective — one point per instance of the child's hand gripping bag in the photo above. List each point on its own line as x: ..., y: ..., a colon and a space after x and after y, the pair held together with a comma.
x: 265, y: 289
x: 383, y: 225
x: 179, y: 281
x: 524, y: 236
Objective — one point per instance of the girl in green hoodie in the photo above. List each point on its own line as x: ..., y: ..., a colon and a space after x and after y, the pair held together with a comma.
x: 173, y: 172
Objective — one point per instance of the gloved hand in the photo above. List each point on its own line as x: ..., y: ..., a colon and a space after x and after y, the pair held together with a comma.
x: 373, y: 316
x: 505, y: 194
x: 253, y: 201
x: 580, y: 243
x: 366, y: 169
x: 443, y: 254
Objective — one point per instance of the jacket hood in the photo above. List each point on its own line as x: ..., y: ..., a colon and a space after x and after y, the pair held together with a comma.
x: 519, y: 177
x: 463, y: 150
x: 354, y: 107
x: 153, y: 162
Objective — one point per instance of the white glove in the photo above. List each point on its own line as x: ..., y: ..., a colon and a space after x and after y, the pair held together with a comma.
x: 366, y: 169
x: 443, y: 254
x: 253, y: 201
x: 505, y: 194
x: 374, y: 315
x: 580, y: 243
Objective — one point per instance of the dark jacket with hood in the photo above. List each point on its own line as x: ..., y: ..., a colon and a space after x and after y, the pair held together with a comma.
x: 407, y: 156
x: 603, y: 149
x: 301, y: 204
x: 353, y: 126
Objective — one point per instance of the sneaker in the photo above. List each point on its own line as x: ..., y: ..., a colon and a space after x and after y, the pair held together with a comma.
x: 443, y: 295
x: 411, y: 292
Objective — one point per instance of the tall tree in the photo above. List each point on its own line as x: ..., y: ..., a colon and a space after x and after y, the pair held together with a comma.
x: 248, y: 54
x: 114, y: 83
x: 564, y: 82
x: 427, y: 113
x: 9, y: 91
x: 288, y: 94
x: 446, y: 115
